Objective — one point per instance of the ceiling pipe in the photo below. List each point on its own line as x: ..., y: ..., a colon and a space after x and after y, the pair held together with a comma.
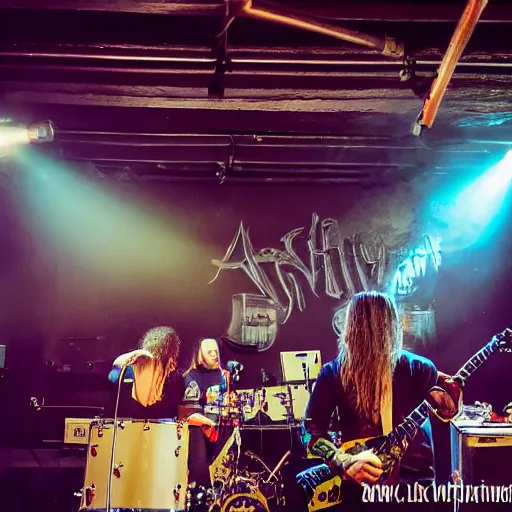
x: 240, y: 56
x: 269, y: 12
x: 460, y: 39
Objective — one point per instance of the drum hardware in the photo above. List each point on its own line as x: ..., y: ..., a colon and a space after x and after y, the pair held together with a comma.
x: 117, y: 472
x: 286, y: 400
x: 234, y: 368
x: 280, y: 464
x: 275, y: 491
x: 254, y: 502
x: 179, y: 429
x: 101, y: 426
x: 289, y: 406
x: 199, y: 498
x: 114, y: 439
x: 284, y: 403
x: 243, y: 479
x: 89, y: 494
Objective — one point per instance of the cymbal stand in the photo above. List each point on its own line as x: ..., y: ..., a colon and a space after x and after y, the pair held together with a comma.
x: 279, y: 465
x: 290, y: 419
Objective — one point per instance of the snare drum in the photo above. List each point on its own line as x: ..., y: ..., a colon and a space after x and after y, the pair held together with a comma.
x: 150, y: 469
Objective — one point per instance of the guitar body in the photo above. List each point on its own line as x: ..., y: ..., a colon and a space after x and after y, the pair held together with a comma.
x: 390, y: 454
x: 323, y: 487
x: 328, y: 492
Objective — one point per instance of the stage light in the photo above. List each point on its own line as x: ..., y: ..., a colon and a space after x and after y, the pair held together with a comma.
x: 476, y: 209
x: 41, y: 132
x: 480, y: 201
x: 13, y: 135
x: 464, y: 217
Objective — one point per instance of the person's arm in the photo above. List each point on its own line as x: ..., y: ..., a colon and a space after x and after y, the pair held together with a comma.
x: 127, y: 361
x: 321, y: 406
x: 365, y: 467
x: 427, y: 374
x: 207, y: 425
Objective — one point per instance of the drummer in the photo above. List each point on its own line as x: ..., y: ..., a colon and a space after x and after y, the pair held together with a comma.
x: 154, y: 386
x: 205, y: 380
x: 204, y: 376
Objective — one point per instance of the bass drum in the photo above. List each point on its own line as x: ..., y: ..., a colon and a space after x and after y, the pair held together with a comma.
x: 254, y: 502
x: 150, y: 469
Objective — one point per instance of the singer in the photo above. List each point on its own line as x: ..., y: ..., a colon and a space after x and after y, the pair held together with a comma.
x: 151, y: 385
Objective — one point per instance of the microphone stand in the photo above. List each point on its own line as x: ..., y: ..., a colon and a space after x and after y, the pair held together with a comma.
x: 305, y: 371
x: 235, y: 378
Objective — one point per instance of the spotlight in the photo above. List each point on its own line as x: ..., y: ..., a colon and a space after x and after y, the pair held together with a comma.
x: 13, y: 135
x: 41, y: 132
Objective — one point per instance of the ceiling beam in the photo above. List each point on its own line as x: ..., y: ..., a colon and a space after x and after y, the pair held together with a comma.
x: 466, y: 102
x: 185, y: 8
x: 414, y: 12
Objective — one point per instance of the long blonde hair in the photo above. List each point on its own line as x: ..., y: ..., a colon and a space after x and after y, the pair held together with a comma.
x: 369, y: 346
x: 196, y: 360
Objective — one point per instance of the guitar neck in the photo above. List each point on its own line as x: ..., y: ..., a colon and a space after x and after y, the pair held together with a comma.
x: 475, y: 362
x: 409, y: 427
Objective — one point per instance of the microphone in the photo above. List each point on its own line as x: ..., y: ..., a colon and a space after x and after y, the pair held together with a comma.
x: 128, y: 376
x: 234, y: 368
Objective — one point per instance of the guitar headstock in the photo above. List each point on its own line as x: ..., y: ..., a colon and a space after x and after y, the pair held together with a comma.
x: 503, y: 341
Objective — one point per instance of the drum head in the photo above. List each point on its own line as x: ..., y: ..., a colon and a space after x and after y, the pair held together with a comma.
x: 245, y: 502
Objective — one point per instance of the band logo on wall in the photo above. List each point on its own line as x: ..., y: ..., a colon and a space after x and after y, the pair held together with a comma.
x: 321, y: 259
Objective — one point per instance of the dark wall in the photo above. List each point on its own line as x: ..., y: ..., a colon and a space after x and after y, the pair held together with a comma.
x: 108, y: 291
x: 88, y: 266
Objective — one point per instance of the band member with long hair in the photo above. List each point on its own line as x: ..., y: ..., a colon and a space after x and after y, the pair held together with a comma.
x: 154, y: 386
x: 204, y: 372
x: 373, y: 384
x: 205, y: 382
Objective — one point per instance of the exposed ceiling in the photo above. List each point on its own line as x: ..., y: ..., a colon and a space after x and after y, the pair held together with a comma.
x: 138, y: 88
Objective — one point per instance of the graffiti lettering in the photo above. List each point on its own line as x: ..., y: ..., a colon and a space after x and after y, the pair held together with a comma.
x: 349, y: 265
x: 336, y: 266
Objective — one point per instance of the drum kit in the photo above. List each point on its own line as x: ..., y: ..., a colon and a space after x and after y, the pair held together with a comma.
x: 143, y: 464
x: 150, y: 467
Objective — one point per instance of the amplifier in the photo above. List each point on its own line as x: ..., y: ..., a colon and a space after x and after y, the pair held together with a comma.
x: 479, y: 449
x: 76, y: 430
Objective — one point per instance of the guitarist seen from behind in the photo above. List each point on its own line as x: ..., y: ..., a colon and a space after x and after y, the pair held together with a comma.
x: 374, y: 384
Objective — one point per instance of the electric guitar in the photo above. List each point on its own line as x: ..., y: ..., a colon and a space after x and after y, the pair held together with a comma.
x: 322, y: 487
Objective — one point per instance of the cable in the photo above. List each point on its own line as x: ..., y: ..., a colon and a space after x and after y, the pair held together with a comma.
x: 114, y: 439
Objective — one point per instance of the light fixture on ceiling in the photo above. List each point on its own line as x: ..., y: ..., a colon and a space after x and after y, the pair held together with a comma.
x: 13, y: 135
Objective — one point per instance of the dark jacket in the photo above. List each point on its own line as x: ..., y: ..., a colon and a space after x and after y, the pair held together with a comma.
x: 413, y: 377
